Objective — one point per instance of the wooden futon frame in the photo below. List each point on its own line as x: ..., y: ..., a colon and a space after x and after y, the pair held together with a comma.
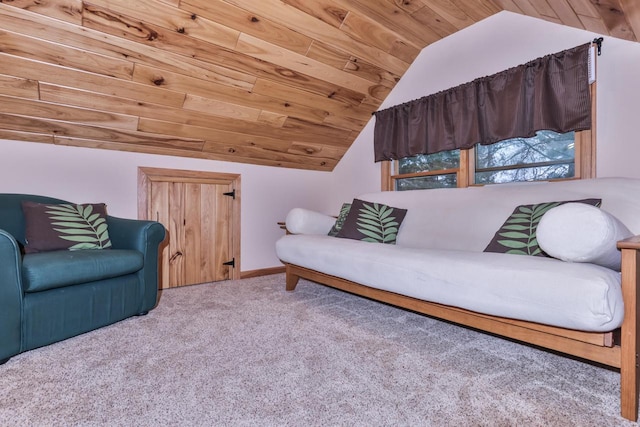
x: 618, y: 349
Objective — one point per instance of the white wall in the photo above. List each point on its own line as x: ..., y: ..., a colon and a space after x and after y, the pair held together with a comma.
x: 502, y: 41
x: 91, y: 175
x: 499, y: 42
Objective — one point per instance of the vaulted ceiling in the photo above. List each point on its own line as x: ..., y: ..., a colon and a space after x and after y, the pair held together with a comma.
x: 285, y: 83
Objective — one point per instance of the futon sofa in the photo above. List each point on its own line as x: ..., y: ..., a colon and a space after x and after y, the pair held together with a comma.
x: 51, y: 295
x: 576, y: 293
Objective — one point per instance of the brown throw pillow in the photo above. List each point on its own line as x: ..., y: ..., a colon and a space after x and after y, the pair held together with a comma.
x: 51, y: 227
x: 372, y: 222
x: 518, y: 233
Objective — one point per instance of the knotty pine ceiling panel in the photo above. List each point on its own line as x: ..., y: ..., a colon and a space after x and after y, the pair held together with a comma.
x: 286, y: 83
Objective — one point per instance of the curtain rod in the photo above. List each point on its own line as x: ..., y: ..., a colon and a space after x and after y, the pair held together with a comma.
x: 597, y: 41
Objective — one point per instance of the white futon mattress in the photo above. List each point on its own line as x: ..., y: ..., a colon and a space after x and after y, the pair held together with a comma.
x: 577, y: 296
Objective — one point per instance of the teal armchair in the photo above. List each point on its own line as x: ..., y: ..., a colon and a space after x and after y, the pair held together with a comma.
x: 51, y: 296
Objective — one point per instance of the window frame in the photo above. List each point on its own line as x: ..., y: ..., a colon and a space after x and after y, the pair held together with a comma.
x: 585, y: 159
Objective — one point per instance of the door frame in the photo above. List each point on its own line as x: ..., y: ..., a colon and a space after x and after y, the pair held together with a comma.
x: 148, y: 175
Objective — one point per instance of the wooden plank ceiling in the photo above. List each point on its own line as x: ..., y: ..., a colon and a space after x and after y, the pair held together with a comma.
x: 285, y: 83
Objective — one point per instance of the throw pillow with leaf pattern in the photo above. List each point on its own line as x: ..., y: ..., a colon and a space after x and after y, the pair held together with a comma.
x: 51, y: 227
x: 518, y: 233
x: 342, y: 216
x: 372, y: 222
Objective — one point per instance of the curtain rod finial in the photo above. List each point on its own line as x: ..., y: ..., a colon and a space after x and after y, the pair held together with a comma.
x: 598, y: 41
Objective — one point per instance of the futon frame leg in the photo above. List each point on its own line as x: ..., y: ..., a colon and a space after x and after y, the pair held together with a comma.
x: 291, y: 279
x: 629, y: 336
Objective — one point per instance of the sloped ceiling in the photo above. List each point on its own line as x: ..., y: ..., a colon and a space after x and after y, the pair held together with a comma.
x: 285, y: 83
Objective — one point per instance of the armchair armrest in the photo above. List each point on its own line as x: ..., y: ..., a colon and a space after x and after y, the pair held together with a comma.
x: 134, y: 234
x: 10, y: 296
x: 145, y: 237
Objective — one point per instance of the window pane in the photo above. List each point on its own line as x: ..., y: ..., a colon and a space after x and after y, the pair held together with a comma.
x: 546, y: 146
x: 429, y: 162
x: 427, y: 182
x: 538, y: 173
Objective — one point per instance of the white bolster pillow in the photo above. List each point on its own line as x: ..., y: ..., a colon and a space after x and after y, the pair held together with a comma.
x: 305, y: 221
x: 578, y: 232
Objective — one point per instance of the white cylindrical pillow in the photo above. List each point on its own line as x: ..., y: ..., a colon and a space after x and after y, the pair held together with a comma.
x: 305, y: 221
x: 578, y: 232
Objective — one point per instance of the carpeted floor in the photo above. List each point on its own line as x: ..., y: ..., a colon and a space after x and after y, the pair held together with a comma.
x: 248, y: 353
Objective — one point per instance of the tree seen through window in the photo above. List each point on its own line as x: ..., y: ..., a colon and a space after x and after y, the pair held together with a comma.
x: 547, y: 155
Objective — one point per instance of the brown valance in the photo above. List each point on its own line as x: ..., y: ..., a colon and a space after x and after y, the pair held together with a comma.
x: 550, y: 93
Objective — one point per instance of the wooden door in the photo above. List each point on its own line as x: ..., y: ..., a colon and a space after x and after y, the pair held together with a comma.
x: 201, y: 218
x: 216, y: 242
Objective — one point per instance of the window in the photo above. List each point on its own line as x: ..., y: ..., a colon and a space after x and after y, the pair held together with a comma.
x: 428, y: 171
x: 548, y: 155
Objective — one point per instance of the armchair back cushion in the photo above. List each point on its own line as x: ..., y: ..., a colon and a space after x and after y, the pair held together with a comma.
x: 11, y: 216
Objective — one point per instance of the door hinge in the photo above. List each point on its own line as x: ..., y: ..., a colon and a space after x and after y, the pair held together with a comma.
x: 232, y: 263
x: 231, y: 194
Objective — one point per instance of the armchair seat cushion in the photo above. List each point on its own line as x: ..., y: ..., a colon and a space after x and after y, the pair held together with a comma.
x: 57, y: 269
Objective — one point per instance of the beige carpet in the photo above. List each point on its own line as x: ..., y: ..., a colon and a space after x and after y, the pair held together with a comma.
x: 248, y: 353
